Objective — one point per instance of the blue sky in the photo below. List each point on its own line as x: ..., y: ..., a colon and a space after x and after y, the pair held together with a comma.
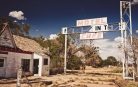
x: 49, y: 16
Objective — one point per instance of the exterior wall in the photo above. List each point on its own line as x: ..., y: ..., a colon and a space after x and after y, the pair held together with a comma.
x: 46, y: 68
x: 137, y: 67
x: 13, y: 62
x: 3, y: 69
x: 43, y: 69
x: 36, y: 56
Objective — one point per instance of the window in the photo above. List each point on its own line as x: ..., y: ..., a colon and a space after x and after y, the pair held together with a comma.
x: 45, y: 61
x: 26, y: 65
x: 1, y: 62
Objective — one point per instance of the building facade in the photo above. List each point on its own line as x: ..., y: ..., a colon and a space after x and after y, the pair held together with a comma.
x: 17, y: 51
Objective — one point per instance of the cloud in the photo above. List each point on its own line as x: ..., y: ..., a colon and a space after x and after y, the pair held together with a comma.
x: 36, y: 30
x: 17, y: 14
x: 118, y: 39
x: 53, y: 36
x: 109, y: 48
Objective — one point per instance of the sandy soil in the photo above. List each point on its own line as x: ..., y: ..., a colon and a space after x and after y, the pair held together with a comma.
x: 100, y: 77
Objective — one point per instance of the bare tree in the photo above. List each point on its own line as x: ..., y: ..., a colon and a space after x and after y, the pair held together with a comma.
x: 134, y: 53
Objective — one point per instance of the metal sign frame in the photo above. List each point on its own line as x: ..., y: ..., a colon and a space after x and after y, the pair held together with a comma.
x: 124, y: 26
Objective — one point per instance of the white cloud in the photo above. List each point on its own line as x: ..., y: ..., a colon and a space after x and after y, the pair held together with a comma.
x: 17, y: 14
x: 109, y: 48
x: 118, y: 39
x: 53, y: 36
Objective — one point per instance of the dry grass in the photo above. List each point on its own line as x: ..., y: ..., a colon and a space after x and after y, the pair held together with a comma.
x: 93, y: 77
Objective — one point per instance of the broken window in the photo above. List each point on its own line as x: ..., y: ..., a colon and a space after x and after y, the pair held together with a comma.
x: 26, y: 65
x: 45, y: 61
x: 1, y: 62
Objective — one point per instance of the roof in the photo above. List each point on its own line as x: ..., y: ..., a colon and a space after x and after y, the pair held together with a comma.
x: 4, y: 49
x: 6, y: 38
x: 18, y: 44
x: 7, y: 43
x: 28, y: 45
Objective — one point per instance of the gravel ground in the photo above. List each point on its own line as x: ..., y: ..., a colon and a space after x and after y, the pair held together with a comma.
x: 93, y: 77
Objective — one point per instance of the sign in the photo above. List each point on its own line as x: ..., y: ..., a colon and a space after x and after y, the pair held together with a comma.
x: 123, y: 26
x: 96, y: 35
x: 96, y: 28
x: 64, y: 30
x: 89, y: 22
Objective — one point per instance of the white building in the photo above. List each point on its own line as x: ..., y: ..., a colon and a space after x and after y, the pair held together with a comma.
x: 17, y: 51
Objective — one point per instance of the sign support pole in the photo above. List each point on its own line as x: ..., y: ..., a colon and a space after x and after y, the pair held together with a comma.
x: 65, y: 55
x: 122, y: 36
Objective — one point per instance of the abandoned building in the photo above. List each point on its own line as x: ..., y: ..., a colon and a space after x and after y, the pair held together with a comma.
x: 17, y: 51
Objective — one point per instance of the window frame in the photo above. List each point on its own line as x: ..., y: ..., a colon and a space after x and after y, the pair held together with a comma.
x: 45, y: 61
x: 3, y: 58
x: 27, y: 67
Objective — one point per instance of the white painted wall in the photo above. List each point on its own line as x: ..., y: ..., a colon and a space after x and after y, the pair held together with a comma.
x: 43, y: 69
x: 3, y: 69
x: 13, y: 62
x: 36, y: 56
x: 46, y: 68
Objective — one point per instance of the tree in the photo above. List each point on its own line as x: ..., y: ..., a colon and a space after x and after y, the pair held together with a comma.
x: 133, y: 52
x: 91, y: 55
x: 74, y: 63
x: 26, y: 28
x: 56, y: 49
x: 17, y: 29
x: 95, y: 61
x: 56, y: 52
x: 110, y: 61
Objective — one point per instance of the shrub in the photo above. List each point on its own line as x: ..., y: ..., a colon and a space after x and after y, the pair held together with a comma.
x: 74, y: 63
x: 110, y: 61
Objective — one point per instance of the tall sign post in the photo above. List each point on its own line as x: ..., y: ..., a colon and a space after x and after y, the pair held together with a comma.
x: 64, y: 31
x: 126, y: 31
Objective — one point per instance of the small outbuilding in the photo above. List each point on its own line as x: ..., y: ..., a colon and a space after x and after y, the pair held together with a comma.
x: 17, y: 51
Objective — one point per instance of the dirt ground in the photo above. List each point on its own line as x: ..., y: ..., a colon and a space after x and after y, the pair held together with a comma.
x: 93, y: 77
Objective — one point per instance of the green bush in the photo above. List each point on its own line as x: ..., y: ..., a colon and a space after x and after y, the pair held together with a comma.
x: 110, y: 61
x: 74, y: 63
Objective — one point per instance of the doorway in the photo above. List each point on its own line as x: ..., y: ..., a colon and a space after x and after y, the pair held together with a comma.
x: 36, y: 66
